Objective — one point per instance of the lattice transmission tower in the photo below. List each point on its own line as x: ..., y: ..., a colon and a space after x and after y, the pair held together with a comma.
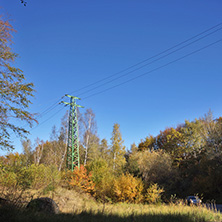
x: 73, y: 160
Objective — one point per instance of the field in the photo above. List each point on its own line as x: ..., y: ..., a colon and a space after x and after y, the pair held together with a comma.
x: 75, y: 206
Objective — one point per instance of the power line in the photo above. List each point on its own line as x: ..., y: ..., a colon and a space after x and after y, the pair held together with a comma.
x: 47, y: 110
x: 47, y: 119
x: 176, y: 50
x: 153, y: 70
x: 54, y: 105
x: 152, y: 57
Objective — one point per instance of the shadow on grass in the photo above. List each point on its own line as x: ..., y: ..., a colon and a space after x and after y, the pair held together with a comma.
x: 11, y: 214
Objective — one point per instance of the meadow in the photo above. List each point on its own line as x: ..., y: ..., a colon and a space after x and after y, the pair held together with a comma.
x: 75, y: 206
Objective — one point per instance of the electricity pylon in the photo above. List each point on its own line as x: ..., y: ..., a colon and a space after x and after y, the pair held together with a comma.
x: 72, y: 160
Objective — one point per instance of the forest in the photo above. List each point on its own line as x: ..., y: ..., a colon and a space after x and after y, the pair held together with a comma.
x: 180, y: 161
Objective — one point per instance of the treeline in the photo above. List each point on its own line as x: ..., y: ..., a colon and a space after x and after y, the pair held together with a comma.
x: 184, y: 160
x: 179, y: 161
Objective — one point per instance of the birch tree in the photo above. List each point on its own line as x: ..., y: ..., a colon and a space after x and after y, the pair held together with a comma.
x: 88, y: 131
x: 38, y: 151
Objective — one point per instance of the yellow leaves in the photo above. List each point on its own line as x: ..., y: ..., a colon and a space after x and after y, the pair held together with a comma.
x: 153, y: 194
x: 147, y: 144
x: 8, y: 179
x: 128, y: 189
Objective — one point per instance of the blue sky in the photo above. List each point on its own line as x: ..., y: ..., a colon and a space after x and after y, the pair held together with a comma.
x: 66, y: 45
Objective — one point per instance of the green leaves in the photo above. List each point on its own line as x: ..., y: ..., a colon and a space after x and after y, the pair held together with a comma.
x: 14, y: 91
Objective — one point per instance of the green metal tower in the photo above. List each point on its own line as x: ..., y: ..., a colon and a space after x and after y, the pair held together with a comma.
x: 73, y: 136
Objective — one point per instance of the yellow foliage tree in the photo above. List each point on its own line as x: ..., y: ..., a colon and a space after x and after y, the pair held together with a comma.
x: 154, y: 193
x: 128, y: 189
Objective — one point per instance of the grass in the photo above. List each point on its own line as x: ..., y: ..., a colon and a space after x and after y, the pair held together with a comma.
x: 75, y: 206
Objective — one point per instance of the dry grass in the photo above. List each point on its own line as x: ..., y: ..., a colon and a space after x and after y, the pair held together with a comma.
x: 77, y: 206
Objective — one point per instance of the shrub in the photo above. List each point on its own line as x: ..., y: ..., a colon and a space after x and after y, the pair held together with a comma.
x: 128, y: 189
x: 102, y: 176
x: 154, y: 193
x: 79, y: 178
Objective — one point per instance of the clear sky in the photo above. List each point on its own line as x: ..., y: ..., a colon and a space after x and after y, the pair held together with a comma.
x: 66, y: 45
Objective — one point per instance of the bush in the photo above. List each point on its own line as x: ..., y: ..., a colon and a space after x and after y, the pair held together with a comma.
x: 102, y: 176
x: 32, y: 176
x: 154, y: 193
x: 128, y: 189
x: 79, y: 178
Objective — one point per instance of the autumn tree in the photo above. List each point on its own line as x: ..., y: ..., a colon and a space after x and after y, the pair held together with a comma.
x: 80, y: 178
x: 128, y: 189
x: 154, y: 166
x: 37, y: 154
x: 171, y: 140
x: 153, y: 194
x: 147, y: 144
x: 88, y: 131
x: 63, y: 140
x: 14, y: 91
x: 27, y: 151
x: 117, y: 150
x: 104, y: 149
x: 133, y: 148
x: 102, y: 176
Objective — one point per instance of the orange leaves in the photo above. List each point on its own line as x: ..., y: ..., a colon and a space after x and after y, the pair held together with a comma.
x: 81, y: 179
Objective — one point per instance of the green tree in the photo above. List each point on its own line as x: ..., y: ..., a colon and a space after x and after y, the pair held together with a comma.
x: 117, y: 149
x: 14, y: 91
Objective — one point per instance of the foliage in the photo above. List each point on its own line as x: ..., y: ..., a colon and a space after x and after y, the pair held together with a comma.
x: 153, y: 194
x: 132, y: 165
x: 147, y: 144
x: 14, y: 172
x: 128, y: 189
x: 171, y: 140
x: 117, y: 150
x: 104, y: 149
x: 99, y: 169
x: 155, y: 166
x: 102, y: 176
x: 14, y: 91
x: 184, y: 160
x: 88, y: 135
x: 80, y: 178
